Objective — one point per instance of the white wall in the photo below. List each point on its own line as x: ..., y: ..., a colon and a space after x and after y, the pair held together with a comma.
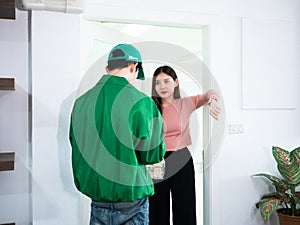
x: 234, y: 193
x: 14, y: 121
x: 56, y: 76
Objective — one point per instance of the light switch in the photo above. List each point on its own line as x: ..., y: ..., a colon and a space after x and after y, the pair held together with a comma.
x: 236, y: 128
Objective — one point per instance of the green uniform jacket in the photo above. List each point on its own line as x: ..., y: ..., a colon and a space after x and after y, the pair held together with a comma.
x: 115, y: 131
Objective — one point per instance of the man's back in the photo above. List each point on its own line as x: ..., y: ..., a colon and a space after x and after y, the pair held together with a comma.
x: 112, y: 139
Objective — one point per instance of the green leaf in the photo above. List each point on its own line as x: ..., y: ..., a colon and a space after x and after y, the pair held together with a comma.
x: 265, y: 198
x: 282, y: 156
x: 278, y: 183
x: 298, y: 201
x: 287, y: 164
x: 291, y: 174
x: 268, y: 206
x: 296, y: 153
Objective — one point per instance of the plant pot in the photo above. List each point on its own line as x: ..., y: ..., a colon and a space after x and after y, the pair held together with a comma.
x: 286, y: 219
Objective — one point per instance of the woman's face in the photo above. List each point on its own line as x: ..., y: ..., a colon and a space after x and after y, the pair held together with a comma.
x: 165, y: 86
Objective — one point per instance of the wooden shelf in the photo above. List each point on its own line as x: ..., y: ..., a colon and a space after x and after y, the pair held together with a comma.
x: 7, y: 161
x: 7, y: 84
x: 7, y: 10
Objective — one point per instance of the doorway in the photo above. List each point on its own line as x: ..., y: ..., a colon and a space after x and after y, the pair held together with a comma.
x: 179, y: 47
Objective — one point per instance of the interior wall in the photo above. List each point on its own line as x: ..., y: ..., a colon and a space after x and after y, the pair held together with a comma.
x: 56, y: 76
x: 234, y: 193
x: 15, y: 192
x: 161, y: 10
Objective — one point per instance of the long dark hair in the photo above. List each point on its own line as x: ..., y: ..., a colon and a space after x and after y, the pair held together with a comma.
x: 169, y: 71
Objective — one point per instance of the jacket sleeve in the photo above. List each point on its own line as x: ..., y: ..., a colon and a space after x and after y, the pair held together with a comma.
x: 147, y: 132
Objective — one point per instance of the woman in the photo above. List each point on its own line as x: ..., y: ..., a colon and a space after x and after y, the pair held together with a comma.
x: 179, y: 177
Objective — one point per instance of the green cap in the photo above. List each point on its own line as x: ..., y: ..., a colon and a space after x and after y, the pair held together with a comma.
x: 131, y: 54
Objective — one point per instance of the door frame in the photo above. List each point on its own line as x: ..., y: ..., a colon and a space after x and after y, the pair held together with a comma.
x: 214, y: 26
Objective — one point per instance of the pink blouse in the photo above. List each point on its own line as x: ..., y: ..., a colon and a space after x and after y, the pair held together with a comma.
x: 176, y: 120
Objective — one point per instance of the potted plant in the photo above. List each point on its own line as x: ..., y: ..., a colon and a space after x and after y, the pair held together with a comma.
x: 285, y: 199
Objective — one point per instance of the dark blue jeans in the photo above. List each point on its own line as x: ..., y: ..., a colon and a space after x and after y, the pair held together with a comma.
x: 120, y: 213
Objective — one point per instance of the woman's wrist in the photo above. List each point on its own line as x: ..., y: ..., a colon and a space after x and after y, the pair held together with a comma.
x: 211, y: 95
x: 211, y: 100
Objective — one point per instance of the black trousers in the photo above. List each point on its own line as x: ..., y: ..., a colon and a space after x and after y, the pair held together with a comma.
x: 179, y: 180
